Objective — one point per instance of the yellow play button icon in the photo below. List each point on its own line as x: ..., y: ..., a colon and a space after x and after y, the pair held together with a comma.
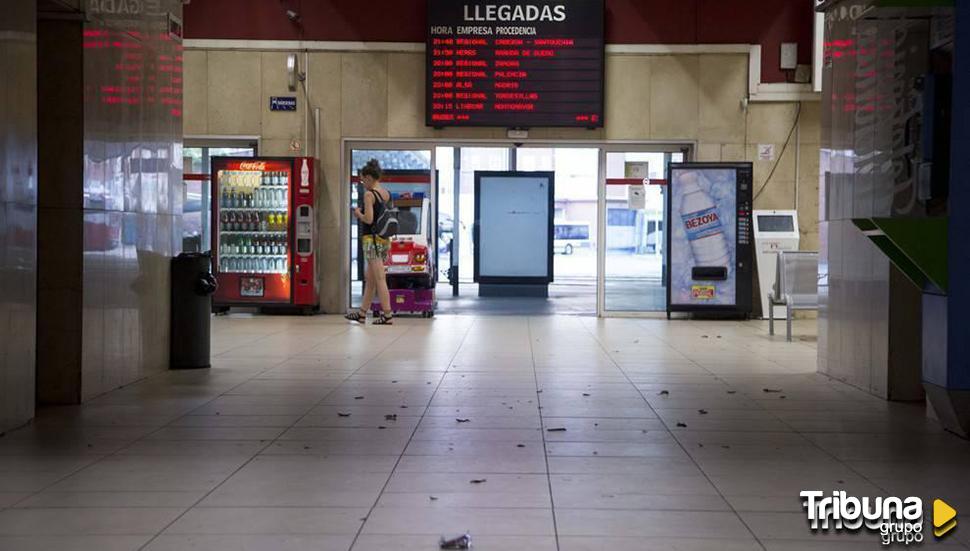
x: 944, y: 518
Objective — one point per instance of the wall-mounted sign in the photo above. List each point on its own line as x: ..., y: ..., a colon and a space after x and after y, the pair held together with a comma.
x: 515, y: 64
x: 766, y: 152
x: 282, y: 103
x: 636, y: 197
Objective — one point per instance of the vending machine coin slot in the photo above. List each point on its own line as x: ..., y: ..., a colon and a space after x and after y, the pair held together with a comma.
x: 304, y: 230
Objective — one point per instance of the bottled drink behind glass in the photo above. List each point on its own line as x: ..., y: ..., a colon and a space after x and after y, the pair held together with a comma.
x: 702, y: 224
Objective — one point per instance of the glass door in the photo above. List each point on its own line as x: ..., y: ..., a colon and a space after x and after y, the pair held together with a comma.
x: 632, y: 225
x: 407, y: 176
x: 196, y: 199
x: 574, y: 240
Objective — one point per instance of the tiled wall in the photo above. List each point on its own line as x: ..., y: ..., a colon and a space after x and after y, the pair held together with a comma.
x: 132, y: 192
x: 111, y: 197
x: 18, y: 213
x: 381, y: 95
x: 865, y: 337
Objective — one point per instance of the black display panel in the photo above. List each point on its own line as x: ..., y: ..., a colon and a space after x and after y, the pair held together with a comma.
x: 776, y: 223
x: 515, y: 64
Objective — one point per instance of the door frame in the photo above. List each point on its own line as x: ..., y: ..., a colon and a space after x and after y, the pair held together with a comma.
x: 348, y: 144
x: 685, y: 147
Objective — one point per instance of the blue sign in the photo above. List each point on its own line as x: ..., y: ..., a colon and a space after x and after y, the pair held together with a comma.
x: 282, y: 103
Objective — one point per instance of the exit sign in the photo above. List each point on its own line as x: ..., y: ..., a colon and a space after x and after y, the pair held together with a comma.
x: 282, y: 103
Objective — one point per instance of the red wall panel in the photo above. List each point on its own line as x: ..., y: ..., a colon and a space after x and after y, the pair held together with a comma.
x: 765, y: 22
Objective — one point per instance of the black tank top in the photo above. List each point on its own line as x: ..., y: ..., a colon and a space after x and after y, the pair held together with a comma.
x: 379, y: 206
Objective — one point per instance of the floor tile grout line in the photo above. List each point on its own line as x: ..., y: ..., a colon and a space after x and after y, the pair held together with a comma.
x: 268, y: 443
x: 542, y: 432
x: 370, y: 511
x: 814, y: 444
x: 119, y: 452
x: 30, y: 496
x: 679, y: 443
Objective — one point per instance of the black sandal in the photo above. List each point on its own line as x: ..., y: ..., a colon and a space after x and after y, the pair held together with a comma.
x: 359, y: 317
x: 384, y: 319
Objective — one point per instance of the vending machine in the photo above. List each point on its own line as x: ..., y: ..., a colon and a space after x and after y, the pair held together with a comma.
x: 709, y: 245
x: 264, y: 233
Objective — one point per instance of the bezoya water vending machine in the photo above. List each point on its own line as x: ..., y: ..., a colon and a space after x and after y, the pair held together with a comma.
x: 709, y: 238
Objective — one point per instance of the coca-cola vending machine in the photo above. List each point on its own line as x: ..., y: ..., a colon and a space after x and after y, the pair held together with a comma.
x: 264, y: 233
x: 709, y: 239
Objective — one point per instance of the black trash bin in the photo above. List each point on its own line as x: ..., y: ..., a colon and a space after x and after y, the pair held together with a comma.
x: 192, y: 288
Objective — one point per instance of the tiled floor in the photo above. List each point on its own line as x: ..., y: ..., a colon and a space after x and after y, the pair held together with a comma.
x: 671, y: 442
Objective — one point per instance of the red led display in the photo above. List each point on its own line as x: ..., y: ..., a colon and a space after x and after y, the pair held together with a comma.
x: 518, y: 64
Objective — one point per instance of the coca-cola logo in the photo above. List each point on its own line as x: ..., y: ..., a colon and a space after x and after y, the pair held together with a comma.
x: 702, y: 220
x: 252, y: 165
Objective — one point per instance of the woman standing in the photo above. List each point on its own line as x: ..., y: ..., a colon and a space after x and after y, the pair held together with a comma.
x: 376, y: 248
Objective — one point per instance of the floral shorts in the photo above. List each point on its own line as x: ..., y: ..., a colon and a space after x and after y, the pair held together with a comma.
x: 376, y: 247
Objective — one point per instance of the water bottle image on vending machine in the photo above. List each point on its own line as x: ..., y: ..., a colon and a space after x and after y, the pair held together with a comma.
x: 708, y: 265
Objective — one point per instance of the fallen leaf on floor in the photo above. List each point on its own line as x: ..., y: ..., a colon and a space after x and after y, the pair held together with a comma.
x: 782, y: 397
x: 718, y: 336
x: 479, y: 480
x: 463, y: 420
x: 539, y: 391
x: 557, y: 429
x: 663, y: 393
x: 306, y: 447
x: 596, y: 424
x: 726, y: 447
x: 390, y: 417
x: 596, y: 453
x: 358, y: 397
x: 404, y: 407
x: 771, y: 389
x: 461, y: 542
x: 702, y: 411
x: 586, y: 394
x: 732, y: 392
x: 705, y: 337
x: 339, y: 414
x: 382, y: 427
x: 433, y: 498
x: 682, y: 425
x: 393, y: 382
x: 700, y: 445
x: 520, y: 445
x: 840, y: 481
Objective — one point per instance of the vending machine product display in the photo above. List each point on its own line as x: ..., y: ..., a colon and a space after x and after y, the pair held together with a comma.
x: 264, y: 232
x: 709, y: 265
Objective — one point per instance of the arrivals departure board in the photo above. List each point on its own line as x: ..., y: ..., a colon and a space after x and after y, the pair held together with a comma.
x: 515, y: 64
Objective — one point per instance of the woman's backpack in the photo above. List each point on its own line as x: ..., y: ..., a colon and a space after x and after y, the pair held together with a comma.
x: 386, y: 223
